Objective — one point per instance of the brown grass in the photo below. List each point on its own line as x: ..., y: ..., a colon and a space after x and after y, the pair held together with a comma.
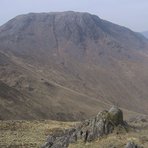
x: 28, y: 134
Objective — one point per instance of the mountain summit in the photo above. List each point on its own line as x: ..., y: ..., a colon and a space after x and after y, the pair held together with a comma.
x: 64, y: 65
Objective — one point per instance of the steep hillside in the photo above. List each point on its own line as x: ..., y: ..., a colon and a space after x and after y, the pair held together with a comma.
x: 25, y: 94
x: 68, y: 65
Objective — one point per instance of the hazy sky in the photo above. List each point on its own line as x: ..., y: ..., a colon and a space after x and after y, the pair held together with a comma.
x: 129, y: 13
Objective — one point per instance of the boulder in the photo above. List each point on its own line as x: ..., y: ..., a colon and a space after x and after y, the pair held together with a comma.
x: 116, y: 115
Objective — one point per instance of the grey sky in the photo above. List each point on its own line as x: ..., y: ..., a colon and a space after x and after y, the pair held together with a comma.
x: 130, y: 13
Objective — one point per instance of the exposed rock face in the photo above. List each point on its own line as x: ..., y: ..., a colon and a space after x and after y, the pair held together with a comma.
x: 103, y: 124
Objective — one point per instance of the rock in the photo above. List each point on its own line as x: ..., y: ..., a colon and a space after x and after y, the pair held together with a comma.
x: 73, y: 138
x: 132, y: 145
x: 116, y: 115
x: 46, y: 145
x: 91, y: 136
x: 50, y: 140
x: 103, y: 124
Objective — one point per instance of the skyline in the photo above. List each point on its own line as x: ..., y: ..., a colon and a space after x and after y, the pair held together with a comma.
x: 130, y: 14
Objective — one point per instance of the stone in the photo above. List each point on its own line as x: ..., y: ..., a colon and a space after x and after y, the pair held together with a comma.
x: 73, y: 138
x: 132, y: 145
x: 116, y: 115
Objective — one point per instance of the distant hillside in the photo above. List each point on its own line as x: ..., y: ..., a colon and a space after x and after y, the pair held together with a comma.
x: 69, y: 65
x: 145, y: 34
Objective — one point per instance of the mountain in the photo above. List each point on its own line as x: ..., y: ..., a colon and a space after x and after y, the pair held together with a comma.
x: 69, y: 65
x: 145, y: 33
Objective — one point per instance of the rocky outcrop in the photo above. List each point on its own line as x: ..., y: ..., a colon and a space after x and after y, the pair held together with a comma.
x: 102, y: 124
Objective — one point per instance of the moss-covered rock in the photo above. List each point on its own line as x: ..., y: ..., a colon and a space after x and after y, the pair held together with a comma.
x: 116, y: 115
